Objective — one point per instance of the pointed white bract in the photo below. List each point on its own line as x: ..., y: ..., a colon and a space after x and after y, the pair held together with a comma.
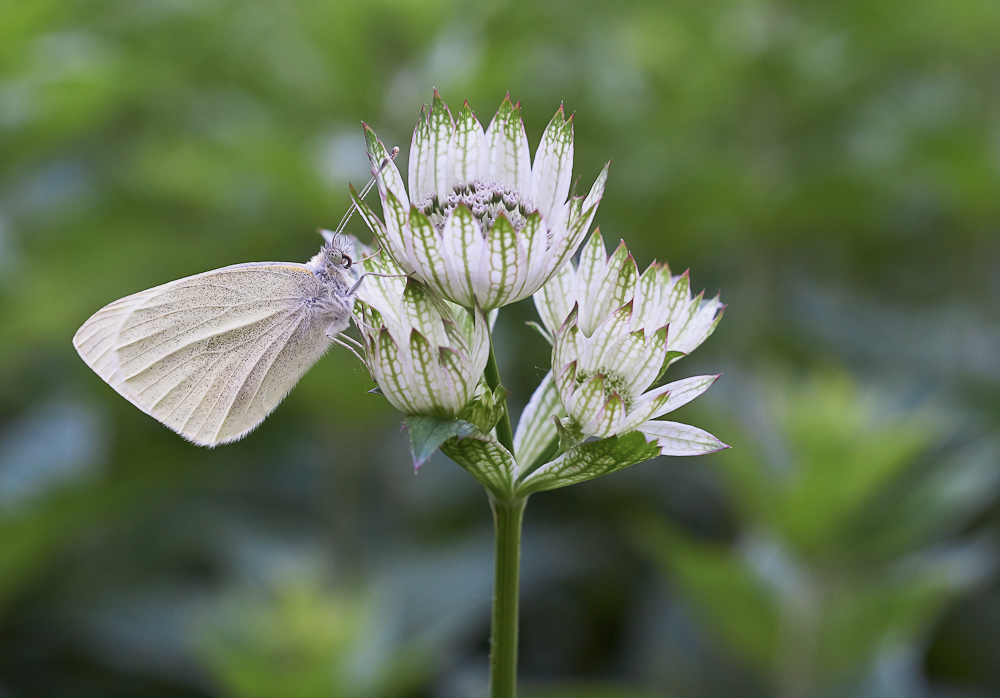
x: 614, y: 332
x: 481, y: 224
x: 426, y: 355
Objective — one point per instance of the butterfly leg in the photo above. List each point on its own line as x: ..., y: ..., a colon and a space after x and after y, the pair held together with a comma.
x: 339, y: 339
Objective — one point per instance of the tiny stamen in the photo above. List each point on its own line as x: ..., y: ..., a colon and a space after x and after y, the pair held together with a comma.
x: 486, y: 199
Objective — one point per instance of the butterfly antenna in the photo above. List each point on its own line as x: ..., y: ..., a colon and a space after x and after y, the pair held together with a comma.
x: 361, y: 278
x: 364, y: 192
x: 373, y: 254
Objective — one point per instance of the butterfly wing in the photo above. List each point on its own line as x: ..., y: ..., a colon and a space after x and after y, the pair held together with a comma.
x: 211, y: 355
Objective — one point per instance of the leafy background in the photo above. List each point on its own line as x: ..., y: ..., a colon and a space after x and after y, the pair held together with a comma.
x: 833, y: 168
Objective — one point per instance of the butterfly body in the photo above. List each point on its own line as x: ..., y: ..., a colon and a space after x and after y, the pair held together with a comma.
x: 211, y: 355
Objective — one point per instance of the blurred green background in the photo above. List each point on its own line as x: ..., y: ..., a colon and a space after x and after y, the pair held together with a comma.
x: 832, y: 167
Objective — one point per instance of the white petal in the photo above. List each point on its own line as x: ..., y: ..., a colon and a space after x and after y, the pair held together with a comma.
x: 510, y: 157
x: 421, y: 166
x: 608, y: 420
x: 635, y: 351
x: 442, y: 128
x: 535, y: 430
x: 607, y: 337
x: 458, y: 383
x: 700, y: 326
x: 417, y: 310
x: 480, y: 354
x: 392, y: 370
x: 684, y: 391
x: 425, y: 380
x: 612, y: 286
x: 647, y: 304
x: 389, y: 179
x: 424, y: 248
x: 464, y: 241
x: 390, y: 233
x: 588, y: 399
x: 681, y: 439
x: 555, y: 299
x: 593, y: 261
x: 565, y: 378
x: 645, y: 407
x: 468, y: 155
x: 570, y: 343
x: 553, y: 167
x: 501, y: 267
x: 656, y: 348
x: 534, y: 238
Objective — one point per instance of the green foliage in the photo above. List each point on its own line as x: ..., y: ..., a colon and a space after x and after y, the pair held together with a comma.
x: 841, y: 450
x: 587, y: 690
x: 589, y: 460
x: 302, y: 641
x: 828, y: 574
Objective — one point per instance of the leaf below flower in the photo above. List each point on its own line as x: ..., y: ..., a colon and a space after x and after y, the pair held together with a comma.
x: 590, y: 460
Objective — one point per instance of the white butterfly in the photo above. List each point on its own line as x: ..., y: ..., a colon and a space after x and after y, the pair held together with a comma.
x: 211, y: 355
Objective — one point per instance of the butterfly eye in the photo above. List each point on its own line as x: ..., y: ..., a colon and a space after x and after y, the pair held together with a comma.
x: 347, y: 262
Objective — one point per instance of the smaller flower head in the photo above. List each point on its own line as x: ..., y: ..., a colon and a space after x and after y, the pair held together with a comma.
x: 614, y: 332
x: 426, y: 355
x: 482, y: 225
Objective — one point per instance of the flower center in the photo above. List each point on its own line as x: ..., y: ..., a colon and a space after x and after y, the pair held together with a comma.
x: 614, y: 382
x: 486, y: 200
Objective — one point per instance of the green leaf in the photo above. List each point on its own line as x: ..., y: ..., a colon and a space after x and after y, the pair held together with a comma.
x: 428, y: 433
x: 485, y: 459
x: 472, y: 448
x: 590, y: 460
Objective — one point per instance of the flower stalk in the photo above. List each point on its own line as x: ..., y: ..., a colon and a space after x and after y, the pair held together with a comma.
x: 507, y: 516
x: 505, y: 435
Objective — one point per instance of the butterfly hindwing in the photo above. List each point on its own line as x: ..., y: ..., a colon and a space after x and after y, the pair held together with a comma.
x: 211, y: 355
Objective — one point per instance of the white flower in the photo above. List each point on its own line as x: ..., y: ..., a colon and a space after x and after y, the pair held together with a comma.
x: 482, y: 226
x: 613, y: 334
x: 426, y: 355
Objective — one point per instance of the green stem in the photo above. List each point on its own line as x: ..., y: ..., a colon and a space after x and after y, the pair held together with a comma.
x: 507, y: 517
x: 505, y: 434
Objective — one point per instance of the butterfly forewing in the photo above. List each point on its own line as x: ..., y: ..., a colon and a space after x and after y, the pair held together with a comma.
x: 211, y: 355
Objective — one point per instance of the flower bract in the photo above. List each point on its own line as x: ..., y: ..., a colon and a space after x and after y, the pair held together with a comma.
x: 426, y: 355
x: 482, y: 224
x: 614, y: 333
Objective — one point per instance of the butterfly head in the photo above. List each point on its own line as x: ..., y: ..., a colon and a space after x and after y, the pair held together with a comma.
x: 335, y: 257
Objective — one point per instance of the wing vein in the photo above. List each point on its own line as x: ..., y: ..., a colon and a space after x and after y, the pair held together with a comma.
x: 236, y: 393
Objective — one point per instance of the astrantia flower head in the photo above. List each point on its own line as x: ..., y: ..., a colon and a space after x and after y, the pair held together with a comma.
x: 426, y: 356
x: 614, y: 332
x: 482, y: 225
